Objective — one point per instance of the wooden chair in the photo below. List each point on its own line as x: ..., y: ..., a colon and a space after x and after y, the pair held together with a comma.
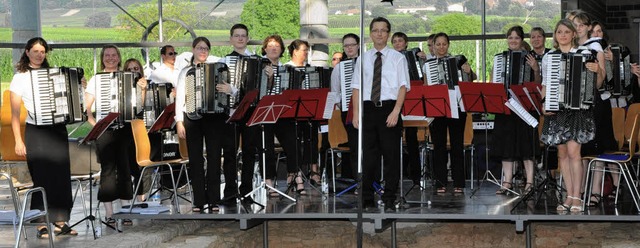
x: 143, y: 158
x: 617, y: 118
x: 622, y: 160
x: 8, y: 156
x: 337, y: 135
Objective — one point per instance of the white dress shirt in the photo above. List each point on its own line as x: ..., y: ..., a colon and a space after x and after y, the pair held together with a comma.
x: 164, y: 74
x: 395, y: 74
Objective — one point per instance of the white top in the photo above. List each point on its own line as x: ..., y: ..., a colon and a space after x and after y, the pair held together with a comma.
x: 395, y: 74
x: 164, y: 74
x: 184, y: 59
x: 335, y: 83
x: 595, y: 44
x: 21, y: 85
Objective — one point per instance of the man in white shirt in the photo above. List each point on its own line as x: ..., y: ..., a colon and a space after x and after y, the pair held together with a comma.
x: 166, y: 73
x: 383, y: 89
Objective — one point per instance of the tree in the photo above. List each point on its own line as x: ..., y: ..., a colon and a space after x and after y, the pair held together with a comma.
x: 473, y: 7
x: 98, y: 20
x: 382, y: 11
x: 267, y: 17
x: 147, y: 13
x: 442, y: 6
x: 457, y: 24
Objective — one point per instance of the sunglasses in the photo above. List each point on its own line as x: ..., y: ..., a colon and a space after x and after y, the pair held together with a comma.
x: 171, y: 53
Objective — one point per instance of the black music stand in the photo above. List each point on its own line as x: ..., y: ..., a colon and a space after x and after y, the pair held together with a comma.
x: 484, y: 98
x: 95, y: 133
x: 427, y: 101
x: 237, y: 117
x: 306, y: 105
x: 269, y: 109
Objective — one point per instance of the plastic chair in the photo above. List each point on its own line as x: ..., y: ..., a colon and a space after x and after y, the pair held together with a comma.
x: 622, y: 160
x: 20, y: 215
x: 143, y: 158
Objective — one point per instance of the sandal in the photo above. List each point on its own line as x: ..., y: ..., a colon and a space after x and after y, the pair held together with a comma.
x: 110, y: 221
x: 43, y: 233
x: 127, y: 222
x: 528, y: 187
x: 214, y: 208
x: 563, y: 208
x: 458, y: 190
x: 271, y: 192
x: 312, y: 178
x: 441, y: 190
x: 196, y: 209
x: 612, y: 195
x: 504, y: 190
x: 300, y: 185
x: 576, y: 208
x: 595, y: 200
x: 64, y: 229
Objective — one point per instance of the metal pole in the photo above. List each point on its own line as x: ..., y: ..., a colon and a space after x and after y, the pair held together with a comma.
x: 160, y: 35
x: 361, y: 52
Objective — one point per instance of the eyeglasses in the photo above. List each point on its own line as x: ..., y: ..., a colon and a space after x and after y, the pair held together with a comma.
x: 349, y: 45
x: 171, y: 54
x: 202, y: 49
x: 380, y: 31
x: 133, y: 68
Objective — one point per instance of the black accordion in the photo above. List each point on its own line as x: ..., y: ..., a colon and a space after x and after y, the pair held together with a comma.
x: 414, y: 63
x: 508, y: 68
x: 246, y: 74
x: 117, y: 92
x: 156, y: 100
x: 569, y: 84
x: 300, y: 78
x: 57, y: 95
x: 202, y: 97
x: 442, y: 71
x: 618, y: 70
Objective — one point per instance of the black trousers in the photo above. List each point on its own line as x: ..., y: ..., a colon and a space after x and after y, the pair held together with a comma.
x: 49, y: 167
x: 380, y: 143
x: 350, y: 160
x: 251, y: 146
x: 218, y: 137
x: 413, y: 154
x: 308, y: 134
x: 438, y: 129
x: 116, y: 152
x: 285, y: 131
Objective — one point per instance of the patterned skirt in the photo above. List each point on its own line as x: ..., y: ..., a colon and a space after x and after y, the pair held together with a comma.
x: 568, y: 125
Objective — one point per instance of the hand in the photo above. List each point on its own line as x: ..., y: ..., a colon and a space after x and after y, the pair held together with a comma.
x: 392, y: 119
x: 422, y: 55
x: 224, y: 87
x: 354, y: 121
x: 593, y: 66
x: 466, y: 68
x: 142, y: 83
x: 532, y: 62
x: 607, y: 54
x: 20, y: 149
x: 635, y: 69
x: 173, y: 93
x: 83, y: 81
x: 268, y: 70
x: 182, y: 133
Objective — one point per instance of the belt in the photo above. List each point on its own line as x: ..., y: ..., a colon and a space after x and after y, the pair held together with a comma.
x: 380, y: 103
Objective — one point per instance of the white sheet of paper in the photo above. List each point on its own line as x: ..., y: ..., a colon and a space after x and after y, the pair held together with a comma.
x: 329, y: 105
x: 453, y: 104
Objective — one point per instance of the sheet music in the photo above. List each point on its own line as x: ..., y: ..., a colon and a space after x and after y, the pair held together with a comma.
x: 459, y: 97
x: 330, y: 105
x: 453, y: 105
x: 517, y: 108
x: 526, y: 92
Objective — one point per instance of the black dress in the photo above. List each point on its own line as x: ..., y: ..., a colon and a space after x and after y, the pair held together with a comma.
x: 604, y: 139
x: 513, y: 139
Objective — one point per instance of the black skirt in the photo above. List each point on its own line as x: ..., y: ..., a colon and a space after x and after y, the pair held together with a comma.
x: 513, y: 139
x: 604, y: 139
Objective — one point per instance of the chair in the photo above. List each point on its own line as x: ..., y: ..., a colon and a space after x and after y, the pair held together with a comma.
x: 622, y: 160
x: 337, y: 135
x: 84, y: 169
x: 143, y: 158
x: 20, y: 215
x: 468, y: 144
x: 617, y: 118
x: 8, y: 156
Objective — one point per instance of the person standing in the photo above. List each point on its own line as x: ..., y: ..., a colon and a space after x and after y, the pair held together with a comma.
x: 45, y: 147
x: 383, y: 88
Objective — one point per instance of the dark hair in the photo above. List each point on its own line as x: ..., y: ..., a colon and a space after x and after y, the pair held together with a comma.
x: 438, y: 35
x: 163, y: 50
x: 518, y: 30
x: 296, y: 45
x: 403, y: 36
x: 380, y: 19
x: 195, y: 43
x: 604, y: 32
x: 238, y: 26
x: 132, y: 60
x: 276, y: 38
x: 105, y: 47
x: 539, y: 29
x: 346, y: 36
x: 431, y: 37
x: 23, y: 63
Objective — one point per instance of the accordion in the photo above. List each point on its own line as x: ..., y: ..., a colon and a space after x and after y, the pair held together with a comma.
x: 346, y: 77
x: 442, y: 71
x: 57, y: 95
x: 618, y: 70
x: 246, y: 74
x: 156, y: 100
x: 508, y: 68
x: 568, y: 83
x: 414, y: 63
x: 202, y: 97
x: 117, y: 92
x: 300, y: 78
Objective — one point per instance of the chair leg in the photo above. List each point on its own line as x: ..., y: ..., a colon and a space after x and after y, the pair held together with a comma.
x: 630, y: 184
x: 133, y: 201
x: 333, y: 166
x: 175, y: 192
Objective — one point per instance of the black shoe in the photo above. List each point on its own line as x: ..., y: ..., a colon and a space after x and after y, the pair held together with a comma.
x: 247, y: 200
x: 389, y: 206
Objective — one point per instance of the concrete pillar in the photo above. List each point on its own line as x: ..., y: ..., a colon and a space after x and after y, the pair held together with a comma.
x: 314, y: 24
x: 25, y: 22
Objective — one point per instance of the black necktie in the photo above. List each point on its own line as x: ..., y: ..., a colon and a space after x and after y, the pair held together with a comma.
x: 377, y: 78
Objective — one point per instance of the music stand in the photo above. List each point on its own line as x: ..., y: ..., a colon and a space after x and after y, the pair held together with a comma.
x: 306, y: 105
x: 95, y: 133
x: 427, y: 101
x: 485, y: 98
x: 269, y: 109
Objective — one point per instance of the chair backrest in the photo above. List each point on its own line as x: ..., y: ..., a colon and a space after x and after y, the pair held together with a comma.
x: 182, y: 147
x: 633, y: 141
x: 337, y: 132
x: 141, y: 140
x: 632, y: 111
x: 7, y: 142
x: 617, y: 120
x: 468, y: 130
